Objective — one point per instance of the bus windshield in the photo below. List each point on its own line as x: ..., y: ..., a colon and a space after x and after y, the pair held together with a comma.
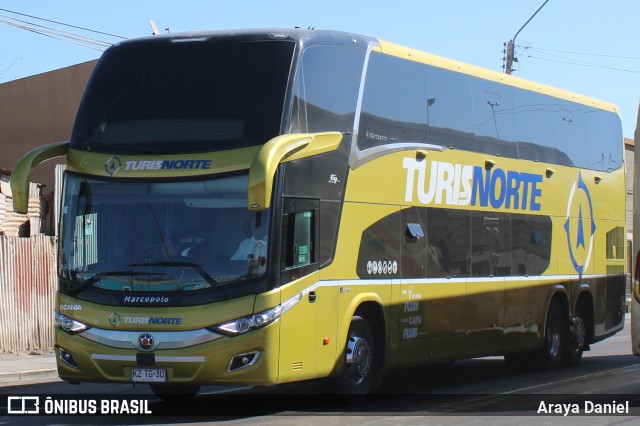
x: 160, y: 236
x: 190, y: 95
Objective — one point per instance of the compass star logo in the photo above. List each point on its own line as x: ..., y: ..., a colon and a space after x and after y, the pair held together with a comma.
x: 114, y: 319
x: 113, y: 165
x: 580, y: 225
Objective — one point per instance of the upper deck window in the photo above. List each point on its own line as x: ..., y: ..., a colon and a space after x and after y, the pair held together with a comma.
x: 204, y: 95
x: 406, y: 101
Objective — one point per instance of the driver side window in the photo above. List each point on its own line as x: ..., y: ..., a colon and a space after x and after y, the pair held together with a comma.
x: 299, y: 248
x: 299, y: 238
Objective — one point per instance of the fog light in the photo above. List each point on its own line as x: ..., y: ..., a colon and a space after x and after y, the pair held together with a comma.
x: 67, y: 358
x: 242, y: 360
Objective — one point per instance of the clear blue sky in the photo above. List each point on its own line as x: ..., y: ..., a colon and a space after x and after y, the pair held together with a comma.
x: 586, y: 46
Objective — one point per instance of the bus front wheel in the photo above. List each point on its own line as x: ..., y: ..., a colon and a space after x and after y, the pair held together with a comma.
x: 358, y: 369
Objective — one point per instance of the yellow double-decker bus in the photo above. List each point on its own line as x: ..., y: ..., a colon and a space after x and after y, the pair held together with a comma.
x: 269, y: 206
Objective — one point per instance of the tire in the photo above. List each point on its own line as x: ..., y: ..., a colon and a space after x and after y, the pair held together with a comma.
x: 576, y: 341
x: 554, y: 338
x: 175, y: 393
x: 359, y: 359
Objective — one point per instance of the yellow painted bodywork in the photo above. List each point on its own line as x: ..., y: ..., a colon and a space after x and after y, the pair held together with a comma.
x: 453, y: 318
x: 283, y: 148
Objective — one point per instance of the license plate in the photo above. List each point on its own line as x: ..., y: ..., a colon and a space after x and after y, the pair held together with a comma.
x: 149, y: 374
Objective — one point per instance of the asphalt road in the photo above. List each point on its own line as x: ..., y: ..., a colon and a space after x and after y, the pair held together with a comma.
x: 477, y: 391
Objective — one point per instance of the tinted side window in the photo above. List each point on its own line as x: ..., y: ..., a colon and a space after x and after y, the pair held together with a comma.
x: 533, y: 126
x: 449, y: 109
x: 299, y: 238
x: 327, y: 88
x: 491, y: 244
x: 530, y: 244
x: 414, y: 253
x: 449, y: 243
x: 299, y: 248
x: 438, y: 243
x: 494, y: 121
x: 394, y: 106
x: 603, y: 140
x: 380, y: 249
x: 568, y: 134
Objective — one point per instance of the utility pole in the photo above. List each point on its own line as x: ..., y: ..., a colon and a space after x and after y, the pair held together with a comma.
x: 510, y: 46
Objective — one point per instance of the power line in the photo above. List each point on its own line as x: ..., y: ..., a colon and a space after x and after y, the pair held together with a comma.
x: 54, y: 33
x: 585, y: 64
x: 62, y: 23
x: 578, y: 53
x: 58, y: 34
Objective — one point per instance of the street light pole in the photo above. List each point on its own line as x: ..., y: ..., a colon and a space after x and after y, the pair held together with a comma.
x: 511, y: 44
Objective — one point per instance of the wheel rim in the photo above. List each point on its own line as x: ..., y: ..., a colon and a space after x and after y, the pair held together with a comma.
x: 553, y: 337
x: 358, y: 358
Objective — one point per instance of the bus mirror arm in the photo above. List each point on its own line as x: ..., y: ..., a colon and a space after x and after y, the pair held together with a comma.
x: 283, y: 148
x: 21, y: 174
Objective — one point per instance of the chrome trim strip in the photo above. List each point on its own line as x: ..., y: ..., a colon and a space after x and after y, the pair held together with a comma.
x: 357, y: 157
x: 128, y: 339
x: 132, y: 358
x: 180, y: 358
x: 540, y: 279
x: 353, y: 158
x: 387, y: 281
x: 105, y: 357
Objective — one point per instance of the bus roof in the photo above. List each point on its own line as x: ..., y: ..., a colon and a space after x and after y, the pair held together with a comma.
x: 316, y: 37
x: 457, y: 66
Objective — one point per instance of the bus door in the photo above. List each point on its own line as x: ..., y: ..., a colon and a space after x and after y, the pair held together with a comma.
x: 299, y: 276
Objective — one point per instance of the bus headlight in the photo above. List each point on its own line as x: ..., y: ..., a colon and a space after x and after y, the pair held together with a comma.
x: 244, y: 324
x: 68, y: 324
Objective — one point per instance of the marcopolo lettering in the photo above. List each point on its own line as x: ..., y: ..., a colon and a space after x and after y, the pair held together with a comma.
x: 168, y: 165
x: 146, y: 299
x: 461, y: 185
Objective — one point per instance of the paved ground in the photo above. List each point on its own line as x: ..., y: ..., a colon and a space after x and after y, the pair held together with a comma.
x: 37, y: 365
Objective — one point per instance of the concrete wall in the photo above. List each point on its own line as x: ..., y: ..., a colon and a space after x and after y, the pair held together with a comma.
x: 38, y: 110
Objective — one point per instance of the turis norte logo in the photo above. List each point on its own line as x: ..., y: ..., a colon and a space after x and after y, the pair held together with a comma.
x: 580, y: 225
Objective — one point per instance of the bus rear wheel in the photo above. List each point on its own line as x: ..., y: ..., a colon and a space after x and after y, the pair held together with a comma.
x: 358, y: 370
x: 576, y: 341
x: 554, y: 338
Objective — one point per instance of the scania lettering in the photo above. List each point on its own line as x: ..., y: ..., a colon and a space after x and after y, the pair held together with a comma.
x: 258, y: 207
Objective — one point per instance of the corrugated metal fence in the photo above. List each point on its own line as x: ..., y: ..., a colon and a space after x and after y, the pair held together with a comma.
x: 27, y: 293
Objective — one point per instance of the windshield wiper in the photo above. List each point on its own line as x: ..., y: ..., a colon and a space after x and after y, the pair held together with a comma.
x: 204, y: 274
x: 101, y: 275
